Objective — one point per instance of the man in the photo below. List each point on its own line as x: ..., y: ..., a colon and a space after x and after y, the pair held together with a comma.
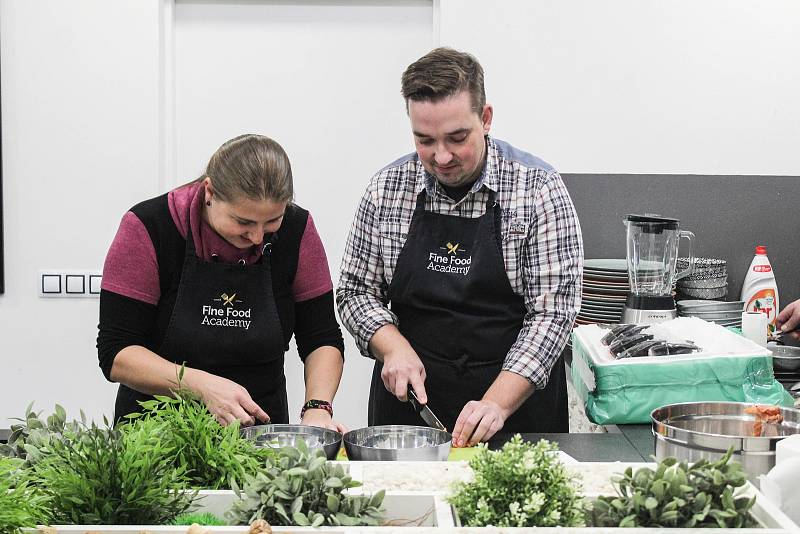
x: 477, y: 248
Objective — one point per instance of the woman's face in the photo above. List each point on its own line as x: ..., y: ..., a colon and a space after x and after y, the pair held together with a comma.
x: 243, y: 222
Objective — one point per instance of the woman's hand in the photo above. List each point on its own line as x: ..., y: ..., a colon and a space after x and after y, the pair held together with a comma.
x: 225, y: 399
x: 321, y: 418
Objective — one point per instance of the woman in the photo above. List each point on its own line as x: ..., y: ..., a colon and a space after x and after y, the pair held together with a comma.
x: 219, y: 274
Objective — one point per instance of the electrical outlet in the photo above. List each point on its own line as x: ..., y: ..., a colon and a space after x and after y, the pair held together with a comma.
x: 54, y: 283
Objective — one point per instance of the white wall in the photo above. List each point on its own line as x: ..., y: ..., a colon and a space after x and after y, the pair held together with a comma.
x: 80, y: 131
x: 640, y: 86
x: 333, y: 103
x: 105, y: 104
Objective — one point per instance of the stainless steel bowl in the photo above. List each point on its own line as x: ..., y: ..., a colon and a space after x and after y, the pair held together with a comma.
x: 784, y: 357
x: 695, y: 305
x: 288, y: 435
x: 694, y: 430
x: 712, y: 315
x: 397, y: 442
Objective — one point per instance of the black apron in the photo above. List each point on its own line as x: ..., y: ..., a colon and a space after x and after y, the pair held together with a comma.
x: 457, y: 309
x: 224, y: 321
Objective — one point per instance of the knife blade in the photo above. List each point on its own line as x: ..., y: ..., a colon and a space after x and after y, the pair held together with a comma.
x: 427, y: 415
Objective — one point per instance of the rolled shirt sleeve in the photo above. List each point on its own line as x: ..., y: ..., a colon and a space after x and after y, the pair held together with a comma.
x: 362, y: 294
x: 552, y: 268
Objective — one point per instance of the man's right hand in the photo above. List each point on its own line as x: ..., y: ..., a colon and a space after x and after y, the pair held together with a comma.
x: 226, y: 400
x: 789, y: 319
x: 401, y: 365
x: 401, y: 368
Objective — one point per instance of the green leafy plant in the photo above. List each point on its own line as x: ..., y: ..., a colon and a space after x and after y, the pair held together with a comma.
x: 677, y: 495
x: 31, y: 439
x: 521, y: 485
x: 213, y: 456
x: 107, y: 476
x: 200, y: 518
x: 20, y: 505
x: 300, y: 487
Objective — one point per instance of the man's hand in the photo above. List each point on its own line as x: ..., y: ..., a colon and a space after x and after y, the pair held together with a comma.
x: 478, y: 421
x: 789, y: 319
x: 401, y: 368
x: 227, y: 400
x: 401, y: 364
x: 322, y: 419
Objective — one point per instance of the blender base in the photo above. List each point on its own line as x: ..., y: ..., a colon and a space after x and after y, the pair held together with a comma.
x: 634, y: 316
x: 648, y: 309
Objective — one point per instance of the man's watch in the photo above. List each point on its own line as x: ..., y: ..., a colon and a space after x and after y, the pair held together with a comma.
x: 317, y: 404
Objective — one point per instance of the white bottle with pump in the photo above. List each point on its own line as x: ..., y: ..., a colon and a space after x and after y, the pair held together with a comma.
x: 759, y: 291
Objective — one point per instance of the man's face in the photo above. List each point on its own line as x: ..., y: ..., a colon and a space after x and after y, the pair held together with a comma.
x: 449, y: 137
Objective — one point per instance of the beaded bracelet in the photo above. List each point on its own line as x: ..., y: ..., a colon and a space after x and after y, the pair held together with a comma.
x: 315, y: 403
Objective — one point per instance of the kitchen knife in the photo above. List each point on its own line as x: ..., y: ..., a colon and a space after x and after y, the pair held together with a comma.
x: 427, y: 415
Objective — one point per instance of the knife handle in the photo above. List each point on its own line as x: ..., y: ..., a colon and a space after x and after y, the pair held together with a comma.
x: 412, y: 398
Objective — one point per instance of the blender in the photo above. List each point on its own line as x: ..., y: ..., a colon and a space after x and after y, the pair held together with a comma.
x: 652, y: 243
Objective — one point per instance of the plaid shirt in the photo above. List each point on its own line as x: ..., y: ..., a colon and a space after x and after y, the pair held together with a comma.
x: 541, y: 243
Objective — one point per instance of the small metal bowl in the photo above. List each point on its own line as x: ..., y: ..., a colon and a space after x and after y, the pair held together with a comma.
x: 784, y: 357
x: 397, y: 442
x: 288, y: 435
x: 710, y: 305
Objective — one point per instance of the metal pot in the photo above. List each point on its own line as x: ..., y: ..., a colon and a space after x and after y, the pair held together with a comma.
x: 694, y: 430
x: 397, y: 442
x: 784, y: 357
x: 280, y: 435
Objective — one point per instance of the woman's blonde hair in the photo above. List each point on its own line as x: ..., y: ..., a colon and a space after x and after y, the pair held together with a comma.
x: 250, y: 166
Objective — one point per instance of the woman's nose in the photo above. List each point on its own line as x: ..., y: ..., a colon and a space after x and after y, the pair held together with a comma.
x: 255, y: 236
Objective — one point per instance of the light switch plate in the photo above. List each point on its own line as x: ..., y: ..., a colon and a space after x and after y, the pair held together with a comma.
x: 61, y: 283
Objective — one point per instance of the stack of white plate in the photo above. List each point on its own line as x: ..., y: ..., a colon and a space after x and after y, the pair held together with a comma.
x: 722, y: 313
x: 605, y: 288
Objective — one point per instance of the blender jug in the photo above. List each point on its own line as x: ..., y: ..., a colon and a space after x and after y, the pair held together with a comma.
x: 652, y: 255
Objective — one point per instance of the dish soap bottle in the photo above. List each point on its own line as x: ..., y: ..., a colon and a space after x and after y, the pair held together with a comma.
x: 759, y: 291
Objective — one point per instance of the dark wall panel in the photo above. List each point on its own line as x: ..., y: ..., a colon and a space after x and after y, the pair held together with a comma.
x: 729, y: 216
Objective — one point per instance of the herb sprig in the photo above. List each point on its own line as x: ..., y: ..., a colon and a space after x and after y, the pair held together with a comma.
x: 106, y: 476
x: 677, y: 495
x: 31, y: 439
x: 300, y: 487
x: 215, y: 457
x: 20, y: 505
x: 521, y: 485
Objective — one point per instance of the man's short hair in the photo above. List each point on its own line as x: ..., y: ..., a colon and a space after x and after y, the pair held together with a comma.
x: 442, y: 73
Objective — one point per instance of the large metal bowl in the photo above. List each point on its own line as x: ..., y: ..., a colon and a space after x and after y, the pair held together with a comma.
x: 397, y: 442
x: 784, y: 357
x: 694, y: 430
x: 288, y: 435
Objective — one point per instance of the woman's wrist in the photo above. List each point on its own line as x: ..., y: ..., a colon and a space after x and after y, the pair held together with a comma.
x: 317, y: 404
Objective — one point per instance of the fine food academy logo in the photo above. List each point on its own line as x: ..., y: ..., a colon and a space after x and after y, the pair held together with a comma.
x: 226, y: 313
x: 452, y: 259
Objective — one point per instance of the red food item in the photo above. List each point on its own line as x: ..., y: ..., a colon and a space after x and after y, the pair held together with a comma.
x: 764, y: 414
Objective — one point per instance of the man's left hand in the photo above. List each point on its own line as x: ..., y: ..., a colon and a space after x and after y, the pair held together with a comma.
x: 478, y: 421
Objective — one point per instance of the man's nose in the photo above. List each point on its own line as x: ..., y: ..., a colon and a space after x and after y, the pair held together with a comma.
x: 443, y: 156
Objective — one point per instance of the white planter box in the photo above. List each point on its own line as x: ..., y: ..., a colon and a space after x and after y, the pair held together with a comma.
x: 433, y: 513
x: 415, y: 509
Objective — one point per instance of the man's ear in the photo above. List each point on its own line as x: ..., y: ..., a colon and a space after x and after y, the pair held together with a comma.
x: 486, y: 118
